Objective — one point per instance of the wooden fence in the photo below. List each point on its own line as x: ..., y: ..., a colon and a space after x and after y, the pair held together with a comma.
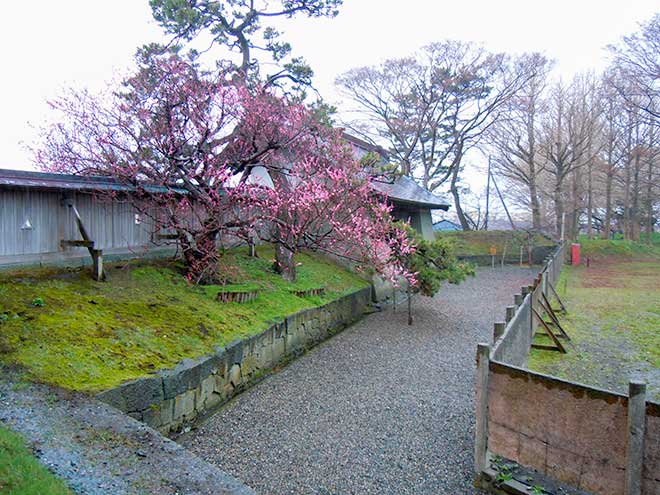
x: 594, y: 440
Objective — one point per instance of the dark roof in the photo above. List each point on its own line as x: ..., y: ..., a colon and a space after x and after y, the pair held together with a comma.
x: 406, y: 191
x: 50, y: 181
x: 365, y: 145
x: 445, y: 224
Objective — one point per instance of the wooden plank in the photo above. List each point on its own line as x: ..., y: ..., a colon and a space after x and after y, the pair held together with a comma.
x: 545, y: 347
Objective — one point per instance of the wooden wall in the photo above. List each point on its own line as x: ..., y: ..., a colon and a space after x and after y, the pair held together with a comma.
x: 112, y: 226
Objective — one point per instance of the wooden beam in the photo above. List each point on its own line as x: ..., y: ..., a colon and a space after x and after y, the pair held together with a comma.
x: 545, y: 347
x: 548, y: 309
x: 77, y: 243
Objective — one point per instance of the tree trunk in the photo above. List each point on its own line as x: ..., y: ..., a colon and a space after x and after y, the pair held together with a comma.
x: 201, y: 257
x: 590, y: 205
x: 559, y: 208
x: 536, y: 206
x: 607, y: 227
x: 285, y: 264
x: 457, y: 198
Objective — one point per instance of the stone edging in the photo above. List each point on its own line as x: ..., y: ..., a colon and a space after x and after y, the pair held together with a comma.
x: 171, y: 398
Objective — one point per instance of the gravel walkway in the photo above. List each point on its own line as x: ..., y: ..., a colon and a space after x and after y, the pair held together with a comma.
x: 98, y: 450
x: 382, y: 408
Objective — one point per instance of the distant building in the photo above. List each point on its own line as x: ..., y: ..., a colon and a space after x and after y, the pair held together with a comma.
x: 446, y: 225
x: 411, y: 202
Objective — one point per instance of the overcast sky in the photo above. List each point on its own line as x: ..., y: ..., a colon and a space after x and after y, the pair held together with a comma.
x: 50, y: 45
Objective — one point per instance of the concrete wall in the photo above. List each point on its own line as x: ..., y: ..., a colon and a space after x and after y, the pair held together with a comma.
x: 576, y: 434
x: 172, y: 398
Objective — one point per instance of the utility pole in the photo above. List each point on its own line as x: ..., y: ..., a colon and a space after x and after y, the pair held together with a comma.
x: 513, y: 225
x: 487, y: 196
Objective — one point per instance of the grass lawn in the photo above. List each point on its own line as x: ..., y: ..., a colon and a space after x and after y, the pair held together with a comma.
x: 21, y: 473
x: 613, y: 319
x: 478, y: 242
x: 63, y: 328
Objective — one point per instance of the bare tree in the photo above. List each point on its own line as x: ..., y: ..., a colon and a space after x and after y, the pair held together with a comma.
x: 515, y: 136
x: 637, y: 60
x: 435, y: 106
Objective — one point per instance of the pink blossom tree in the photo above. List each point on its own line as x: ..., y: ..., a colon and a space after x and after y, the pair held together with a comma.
x: 187, y: 142
x: 170, y: 132
x: 322, y: 199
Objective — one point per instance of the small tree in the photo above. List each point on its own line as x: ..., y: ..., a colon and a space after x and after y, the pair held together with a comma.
x: 323, y: 200
x: 430, y: 263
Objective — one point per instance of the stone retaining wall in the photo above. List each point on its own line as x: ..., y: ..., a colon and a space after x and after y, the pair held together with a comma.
x: 172, y: 398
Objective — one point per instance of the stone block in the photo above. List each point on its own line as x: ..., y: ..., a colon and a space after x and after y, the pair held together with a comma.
x: 187, y: 375
x: 158, y: 415
x: 279, y: 349
x: 135, y: 395
x: 234, y: 352
x: 205, y: 392
x: 184, y: 406
x: 235, y: 375
x: 249, y: 366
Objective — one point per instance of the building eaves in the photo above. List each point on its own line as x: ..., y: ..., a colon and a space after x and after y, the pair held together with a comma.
x: 11, y: 179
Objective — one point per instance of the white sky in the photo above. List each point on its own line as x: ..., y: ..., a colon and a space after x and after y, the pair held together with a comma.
x: 50, y: 45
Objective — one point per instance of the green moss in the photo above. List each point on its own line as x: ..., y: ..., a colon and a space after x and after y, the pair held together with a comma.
x: 613, y: 321
x: 94, y: 335
x: 621, y: 249
x: 21, y: 473
x: 478, y: 242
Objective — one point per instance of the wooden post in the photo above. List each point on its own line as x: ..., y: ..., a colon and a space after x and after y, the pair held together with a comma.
x: 518, y: 299
x: 636, y: 426
x: 498, y: 330
x: 510, y: 312
x: 481, y: 430
x: 97, y: 264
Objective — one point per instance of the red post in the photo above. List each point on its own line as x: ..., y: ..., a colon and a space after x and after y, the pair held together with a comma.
x: 575, y: 254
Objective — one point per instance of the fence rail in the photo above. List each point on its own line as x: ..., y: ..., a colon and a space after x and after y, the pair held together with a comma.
x: 595, y: 440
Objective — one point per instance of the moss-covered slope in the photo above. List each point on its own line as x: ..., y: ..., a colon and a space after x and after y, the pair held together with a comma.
x: 65, y: 329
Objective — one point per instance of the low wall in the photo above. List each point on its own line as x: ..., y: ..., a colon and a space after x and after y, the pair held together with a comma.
x: 571, y: 432
x: 172, y: 398
x: 539, y: 255
x: 595, y: 440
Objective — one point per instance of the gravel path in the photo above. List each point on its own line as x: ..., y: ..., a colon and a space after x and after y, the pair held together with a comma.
x: 97, y: 450
x: 382, y: 408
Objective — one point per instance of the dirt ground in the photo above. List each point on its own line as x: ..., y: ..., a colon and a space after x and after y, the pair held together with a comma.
x: 614, y: 322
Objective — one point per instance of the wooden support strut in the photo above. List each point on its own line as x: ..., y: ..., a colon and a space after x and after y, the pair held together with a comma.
x: 561, y: 304
x: 97, y: 254
x: 552, y: 336
x: 545, y: 304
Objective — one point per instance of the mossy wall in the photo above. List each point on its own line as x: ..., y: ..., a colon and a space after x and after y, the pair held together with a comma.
x: 168, y: 400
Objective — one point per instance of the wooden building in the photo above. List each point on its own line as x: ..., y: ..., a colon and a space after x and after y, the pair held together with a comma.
x: 38, y: 220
